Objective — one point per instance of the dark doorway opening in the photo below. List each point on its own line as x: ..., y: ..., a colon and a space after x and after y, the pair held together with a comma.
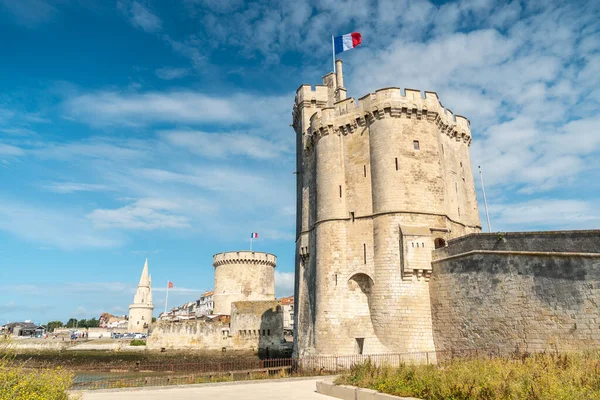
x: 360, y: 344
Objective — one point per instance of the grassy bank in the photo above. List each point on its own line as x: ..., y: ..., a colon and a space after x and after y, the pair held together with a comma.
x: 541, y: 376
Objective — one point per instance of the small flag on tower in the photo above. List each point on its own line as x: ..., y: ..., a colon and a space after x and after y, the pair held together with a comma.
x: 170, y: 285
x: 346, y: 42
x: 254, y: 235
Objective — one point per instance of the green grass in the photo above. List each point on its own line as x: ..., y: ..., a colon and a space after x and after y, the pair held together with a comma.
x: 137, y: 342
x: 540, y: 376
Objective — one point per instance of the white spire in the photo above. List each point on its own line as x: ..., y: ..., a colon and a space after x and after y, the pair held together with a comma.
x: 145, y: 278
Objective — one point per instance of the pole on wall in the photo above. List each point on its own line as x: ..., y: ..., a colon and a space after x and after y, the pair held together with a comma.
x: 333, y: 52
x: 167, y: 298
x: 487, y: 214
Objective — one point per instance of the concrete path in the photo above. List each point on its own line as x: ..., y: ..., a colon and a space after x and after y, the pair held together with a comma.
x: 289, y: 389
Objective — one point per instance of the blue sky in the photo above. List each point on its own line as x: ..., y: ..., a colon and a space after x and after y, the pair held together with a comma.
x: 134, y: 129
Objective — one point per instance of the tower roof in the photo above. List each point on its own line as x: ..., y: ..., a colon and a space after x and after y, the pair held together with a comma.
x: 145, y: 278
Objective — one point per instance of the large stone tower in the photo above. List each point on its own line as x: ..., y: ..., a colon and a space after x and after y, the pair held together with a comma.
x: 380, y: 182
x: 243, y: 276
x: 140, y: 312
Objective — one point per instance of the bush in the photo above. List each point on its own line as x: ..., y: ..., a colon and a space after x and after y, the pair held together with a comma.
x: 137, y: 342
x: 18, y: 383
x: 540, y: 376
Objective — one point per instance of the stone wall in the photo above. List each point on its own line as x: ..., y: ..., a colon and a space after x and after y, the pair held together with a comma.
x: 257, y: 325
x: 530, y: 291
x: 254, y: 326
x: 193, y: 335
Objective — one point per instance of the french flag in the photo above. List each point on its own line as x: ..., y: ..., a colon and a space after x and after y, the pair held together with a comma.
x: 254, y: 235
x: 346, y: 42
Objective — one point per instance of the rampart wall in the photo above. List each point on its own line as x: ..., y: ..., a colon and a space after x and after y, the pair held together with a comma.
x: 529, y: 291
x: 193, y: 335
x: 254, y: 326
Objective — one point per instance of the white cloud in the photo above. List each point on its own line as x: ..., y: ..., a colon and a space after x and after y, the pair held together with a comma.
x: 176, y: 289
x: 169, y: 73
x: 71, y: 187
x: 58, y: 228
x: 95, y: 148
x: 221, y: 144
x: 30, y: 13
x: 545, y: 214
x: 112, y: 108
x: 109, y: 108
x: 140, y: 16
x: 144, y: 214
x: 9, y: 150
x: 284, y: 283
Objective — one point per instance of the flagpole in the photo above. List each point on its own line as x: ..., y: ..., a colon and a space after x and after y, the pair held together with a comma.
x: 167, y: 298
x: 251, y: 239
x: 485, y: 200
x: 333, y: 52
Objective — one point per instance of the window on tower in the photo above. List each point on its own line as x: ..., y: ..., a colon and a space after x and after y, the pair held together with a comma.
x: 416, y: 144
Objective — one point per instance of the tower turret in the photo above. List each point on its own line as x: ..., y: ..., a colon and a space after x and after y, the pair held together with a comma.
x: 140, y: 312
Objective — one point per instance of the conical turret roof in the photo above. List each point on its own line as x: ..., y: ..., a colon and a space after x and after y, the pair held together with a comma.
x: 145, y: 278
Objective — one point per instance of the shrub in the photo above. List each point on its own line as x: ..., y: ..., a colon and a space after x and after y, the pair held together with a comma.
x: 18, y: 383
x: 540, y: 376
x: 137, y: 342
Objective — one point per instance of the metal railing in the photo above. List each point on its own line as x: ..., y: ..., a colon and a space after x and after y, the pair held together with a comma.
x: 171, y: 372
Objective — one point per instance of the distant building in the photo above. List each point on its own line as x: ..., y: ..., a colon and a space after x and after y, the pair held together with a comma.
x: 287, y: 304
x: 180, y: 313
x: 140, y: 312
x: 23, y: 329
x: 205, y: 304
x: 107, y: 320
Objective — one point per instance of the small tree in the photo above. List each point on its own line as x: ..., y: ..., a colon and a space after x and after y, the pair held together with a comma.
x: 71, y: 323
x: 82, y: 323
x: 92, y: 323
x: 52, y: 325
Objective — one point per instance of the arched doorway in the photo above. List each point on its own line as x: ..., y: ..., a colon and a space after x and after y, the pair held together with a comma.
x: 439, y: 242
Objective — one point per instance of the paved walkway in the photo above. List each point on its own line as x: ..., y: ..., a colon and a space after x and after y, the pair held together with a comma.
x: 289, y: 389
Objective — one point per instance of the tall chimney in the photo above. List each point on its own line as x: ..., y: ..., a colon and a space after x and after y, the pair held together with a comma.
x: 339, y: 75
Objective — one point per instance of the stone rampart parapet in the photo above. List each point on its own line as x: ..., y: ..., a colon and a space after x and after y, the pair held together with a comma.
x: 348, y: 115
x: 241, y: 257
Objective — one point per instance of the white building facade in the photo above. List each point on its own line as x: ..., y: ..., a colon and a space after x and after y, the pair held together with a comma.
x: 205, y: 304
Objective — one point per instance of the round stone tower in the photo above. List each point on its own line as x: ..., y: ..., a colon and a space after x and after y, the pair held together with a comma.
x: 243, y: 276
x: 140, y: 312
x: 381, y: 182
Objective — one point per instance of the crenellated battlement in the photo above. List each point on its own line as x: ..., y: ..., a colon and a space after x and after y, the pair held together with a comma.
x: 348, y: 115
x: 244, y: 257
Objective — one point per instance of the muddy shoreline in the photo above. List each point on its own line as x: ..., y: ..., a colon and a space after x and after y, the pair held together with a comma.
x: 94, y: 360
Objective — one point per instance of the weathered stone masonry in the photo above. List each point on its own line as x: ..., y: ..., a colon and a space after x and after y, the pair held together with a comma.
x: 530, y: 291
x: 381, y: 183
x: 379, y: 180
